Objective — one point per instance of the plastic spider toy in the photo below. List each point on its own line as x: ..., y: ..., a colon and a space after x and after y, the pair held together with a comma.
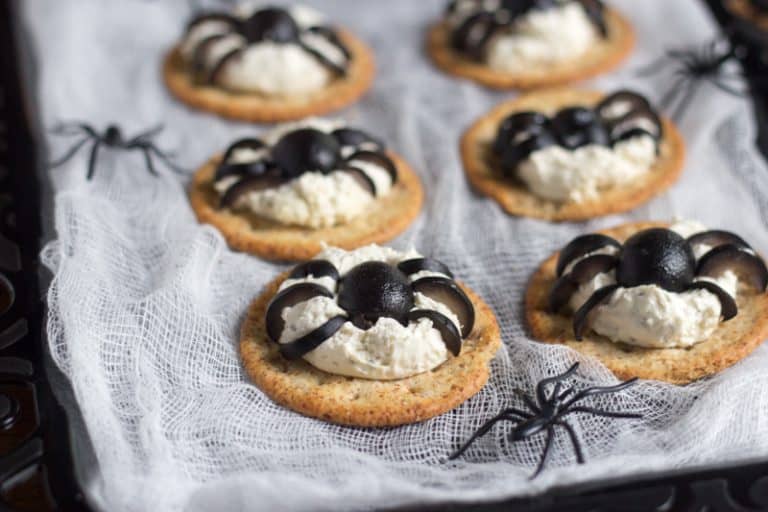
x: 655, y: 256
x: 369, y: 291
x: 693, y: 66
x: 231, y: 35
x: 297, y: 152
x: 618, y: 117
x: 112, y: 138
x: 481, y: 20
x: 549, y: 411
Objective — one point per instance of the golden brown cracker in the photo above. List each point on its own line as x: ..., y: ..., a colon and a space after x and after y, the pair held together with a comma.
x: 517, y: 199
x: 732, y: 340
x: 362, y: 402
x: 387, y: 217
x: 602, y: 57
x: 269, y: 109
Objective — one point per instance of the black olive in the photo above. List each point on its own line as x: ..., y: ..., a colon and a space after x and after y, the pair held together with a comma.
x: 656, y: 256
x: 375, y: 289
x: 446, y: 291
x: 361, y: 178
x: 213, y: 16
x: 596, y: 14
x: 355, y: 138
x: 246, y: 143
x: 582, y: 272
x: 472, y: 36
x: 286, y: 298
x: 244, y: 169
x: 448, y: 331
x: 579, y: 126
x: 376, y: 158
x: 582, y: 245
x: 306, y: 150
x: 634, y: 102
x: 513, y: 155
x: 728, y: 308
x: 513, y: 128
x: 415, y: 265
x: 247, y: 185
x: 716, y: 237
x: 270, y: 24
x: 635, y: 123
x: 737, y: 258
x: 314, y: 268
x: 581, y: 317
x: 310, y: 341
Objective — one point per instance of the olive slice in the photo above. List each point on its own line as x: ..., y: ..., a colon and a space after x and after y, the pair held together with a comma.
x: 415, y: 265
x: 582, y: 245
x: 340, y: 70
x: 200, y: 54
x: 579, y: 126
x: 331, y: 35
x: 582, y: 272
x: 595, y: 10
x: 310, y: 341
x: 257, y: 168
x: 634, y: 102
x: 314, y: 268
x: 519, y: 123
x: 472, y: 36
x: 443, y: 324
x: 635, y: 123
x: 376, y: 158
x: 246, y: 143
x: 728, y: 308
x: 361, y: 178
x: 291, y: 296
x: 716, y: 237
x: 354, y: 137
x: 514, y: 154
x: 446, y: 291
x: 734, y: 257
x: 581, y: 316
x: 218, y: 68
x: 247, y: 185
x: 213, y: 16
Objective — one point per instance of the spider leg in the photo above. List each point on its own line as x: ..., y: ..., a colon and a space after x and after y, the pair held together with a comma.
x: 73, y: 128
x: 505, y: 415
x: 92, y: 159
x: 541, y: 386
x: 655, y: 66
x: 543, y: 458
x: 70, y: 153
x: 574, y: 441
x: 598, y: 390
x: 565, y: 393
x: 666, y: 100
x: 726, y: 87
x: 527, y: 400
x: 690, y: 93
x: 165, y: 158
x: 148, y: 159
x: 143, y: 136
x: 598, y: 412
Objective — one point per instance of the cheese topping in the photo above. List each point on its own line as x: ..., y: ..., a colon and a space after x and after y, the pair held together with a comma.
x: 649, y: 316
x: 388, y: 350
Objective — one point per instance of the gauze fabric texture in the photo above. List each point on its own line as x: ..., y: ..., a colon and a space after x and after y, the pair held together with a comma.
x: 145, y: 303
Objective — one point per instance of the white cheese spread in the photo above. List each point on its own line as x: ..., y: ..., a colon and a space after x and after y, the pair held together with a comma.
x: 562, y: 174
x: 388, y: 350
x: 649, y: 316
x: 269, y: 68
x: 314, y: 199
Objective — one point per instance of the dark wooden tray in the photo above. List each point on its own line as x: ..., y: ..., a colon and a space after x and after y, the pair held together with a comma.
x: 36, y: 452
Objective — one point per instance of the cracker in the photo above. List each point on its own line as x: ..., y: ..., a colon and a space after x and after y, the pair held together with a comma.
x: 268, y: 109
x: 362, y: 402
x: 387, y: 217
x: 602, y: 57
x: 729, y: 343
x: 517, y: 199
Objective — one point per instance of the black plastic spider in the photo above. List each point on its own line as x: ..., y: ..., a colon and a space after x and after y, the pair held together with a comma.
x: 694, y: 66
x: 112, y: 138
x: 548, y: 411
x: 475, y: 30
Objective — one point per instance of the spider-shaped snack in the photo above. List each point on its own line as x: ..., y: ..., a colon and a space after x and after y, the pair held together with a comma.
x: 252, y: 165
x: 221, y: 38
x: 618, y: 117
x: 548, y: 411
x: 369, y: 291
x: 481, y: 20
x: 112, y: 138
x: 656, y: 256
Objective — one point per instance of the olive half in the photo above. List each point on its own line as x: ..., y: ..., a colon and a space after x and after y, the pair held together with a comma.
x: 305, y: 150
x: 270, y: 24
x: 447, y: 292
x: 375, y: 289
x: 656, y: 256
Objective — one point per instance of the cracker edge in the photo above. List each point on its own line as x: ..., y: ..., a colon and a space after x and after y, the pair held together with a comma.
x: 489, y: 182
x: 618, y: 47
x: 679, y: 372
x: 261, y: 109
x: 394, y: 405
x: 303, y: 246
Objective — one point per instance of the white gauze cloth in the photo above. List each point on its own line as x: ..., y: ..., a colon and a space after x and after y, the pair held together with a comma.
x: 145, y: 303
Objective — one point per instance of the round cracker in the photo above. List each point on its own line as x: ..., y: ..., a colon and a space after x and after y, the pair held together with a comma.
x: 387, y: 217
x: 363, y: 402
x: 729, y: 343
x: 517, y: 199
x: 744, y: 10
x: 600, y: 58
x: 269, y: 109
